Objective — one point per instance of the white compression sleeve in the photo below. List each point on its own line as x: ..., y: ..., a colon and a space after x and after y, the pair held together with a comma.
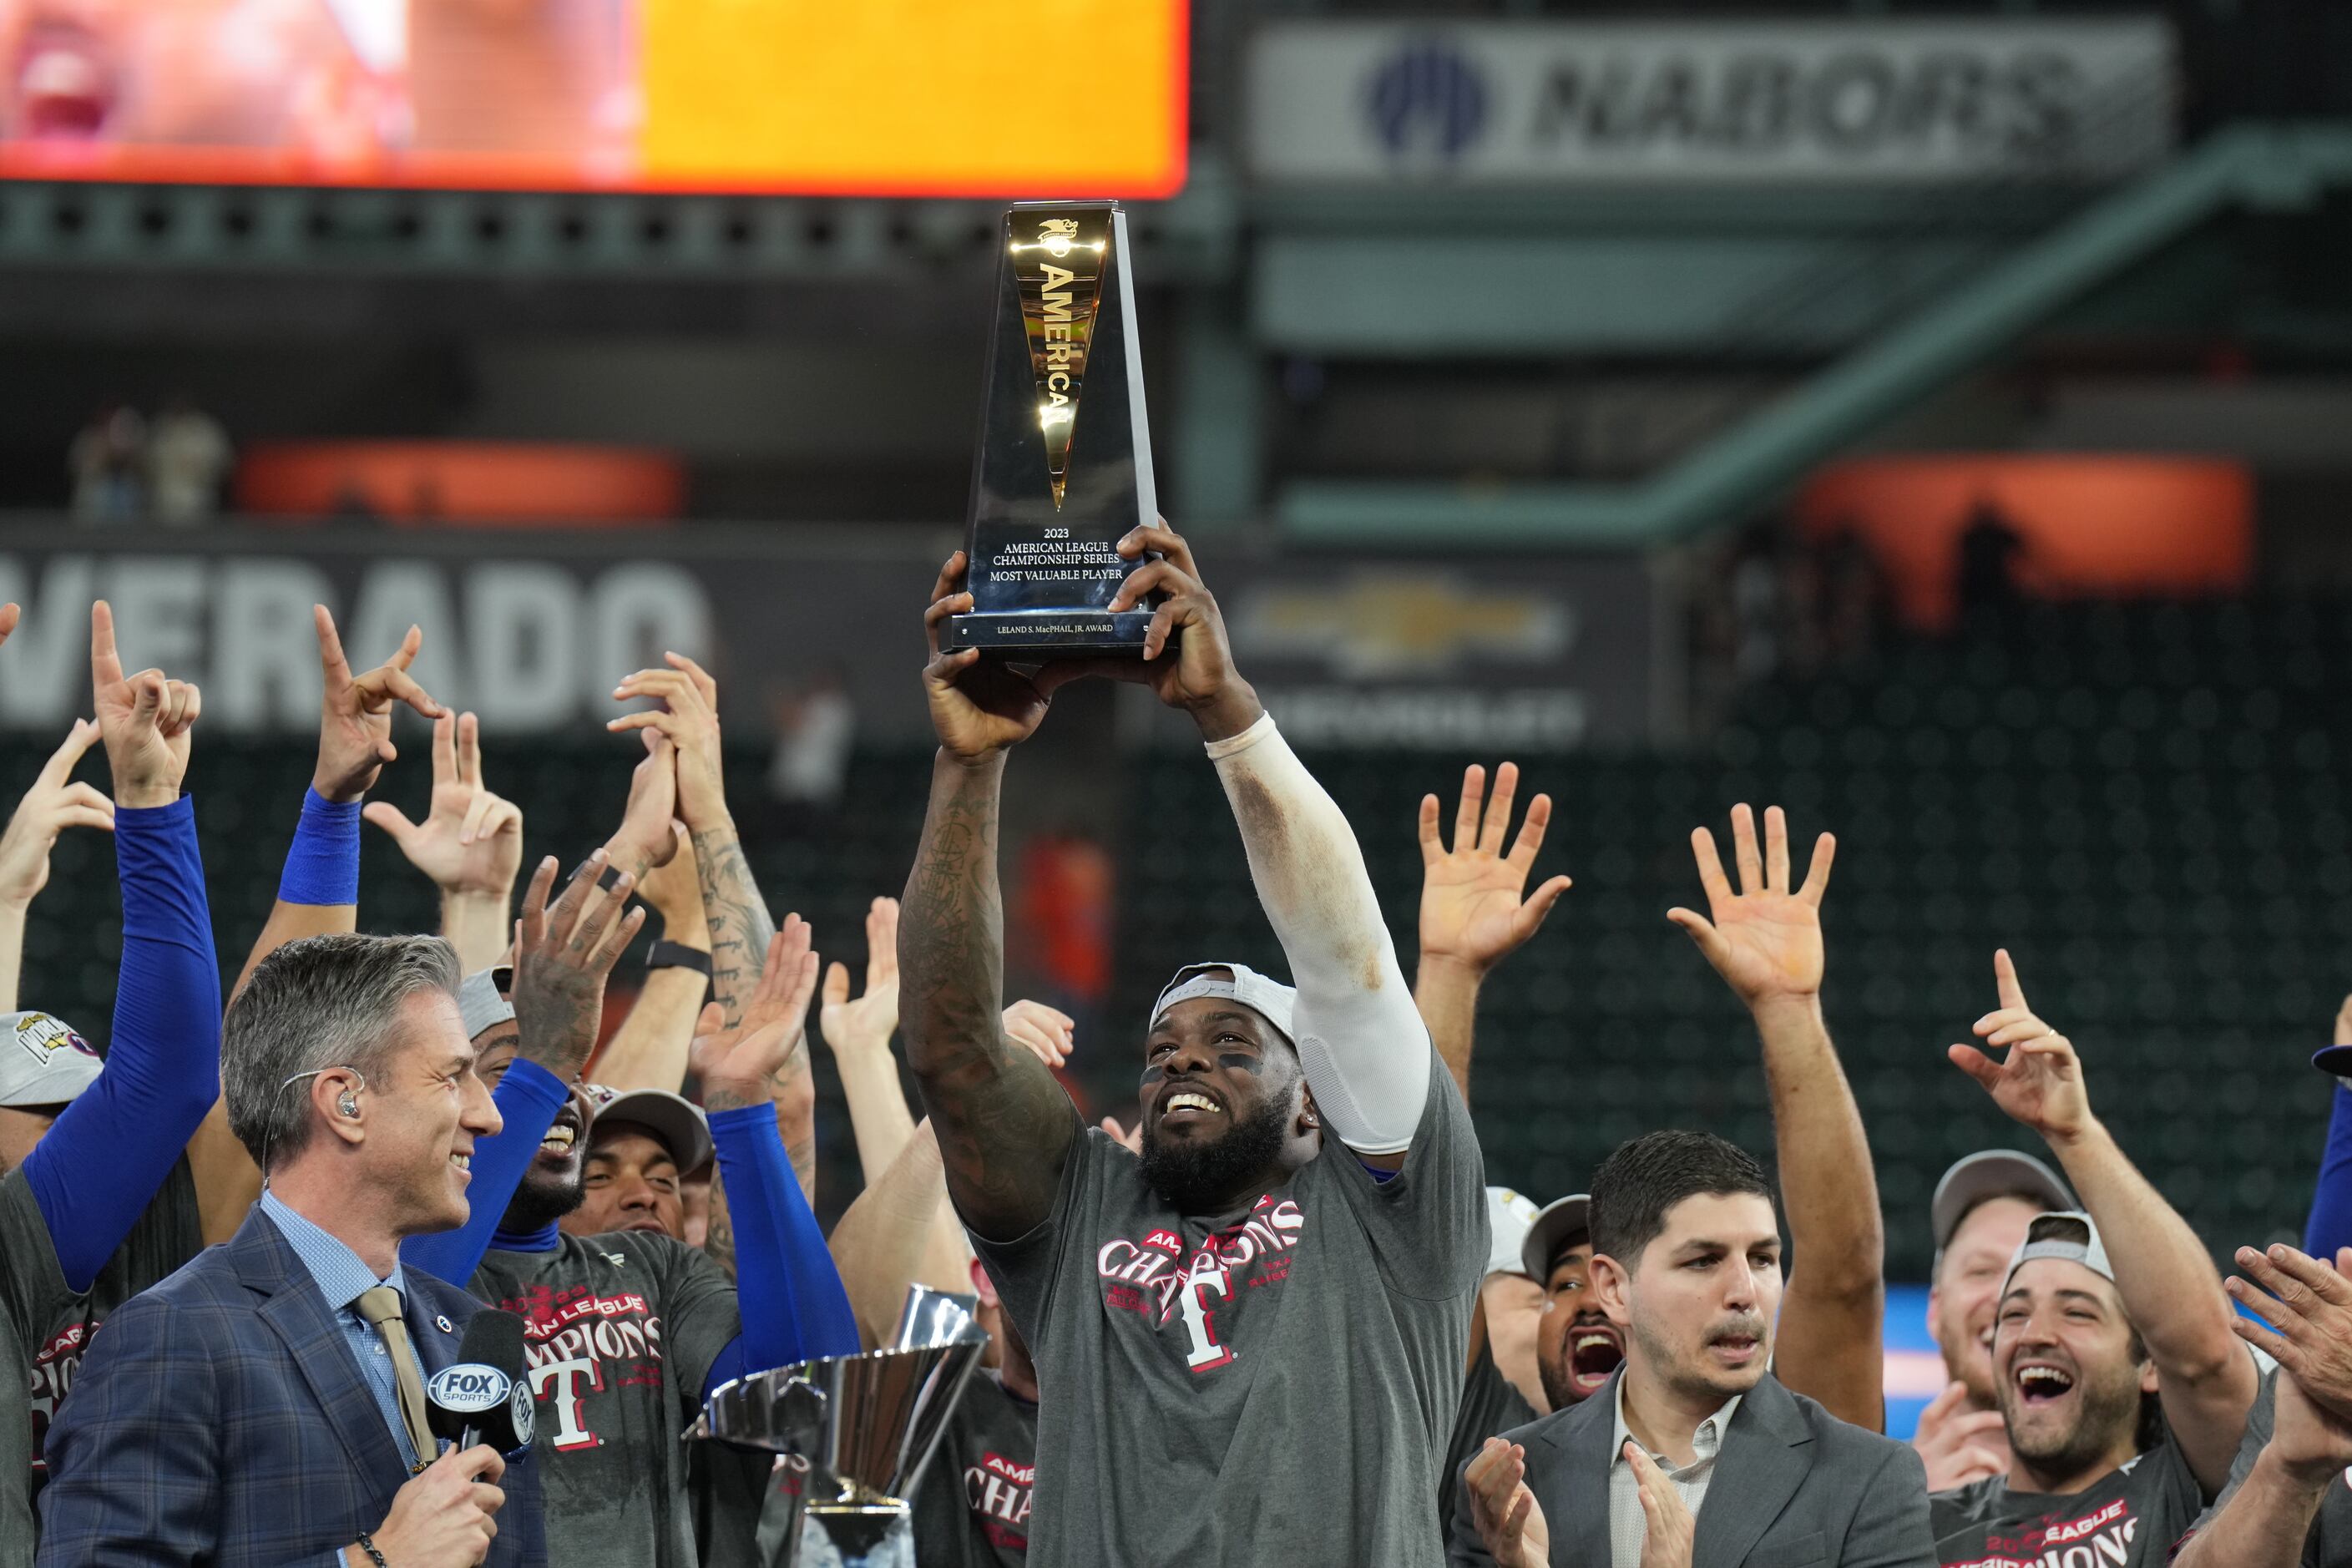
x: 1360, y: 1037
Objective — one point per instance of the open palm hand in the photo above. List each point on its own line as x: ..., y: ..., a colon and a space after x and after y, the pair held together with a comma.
x: 1765, y: 941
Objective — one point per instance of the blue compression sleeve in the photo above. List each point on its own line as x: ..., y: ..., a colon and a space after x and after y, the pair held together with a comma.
x: 795, y: 1308
x: 98, y: 1167
x: 322, y: 863
x: 527, y: 1099
x: 2331, y: 1204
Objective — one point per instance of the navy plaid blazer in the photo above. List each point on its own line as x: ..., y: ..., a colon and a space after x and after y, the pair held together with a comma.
x: 221, y: 1418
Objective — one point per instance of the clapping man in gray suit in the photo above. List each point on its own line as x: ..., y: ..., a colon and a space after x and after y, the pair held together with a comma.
x: 1695, y: 1456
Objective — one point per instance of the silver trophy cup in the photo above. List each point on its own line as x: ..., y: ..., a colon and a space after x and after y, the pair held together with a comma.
x: 852, y: 1435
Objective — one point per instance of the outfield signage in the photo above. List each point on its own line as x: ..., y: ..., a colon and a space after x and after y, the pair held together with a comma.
x: 531, y: 629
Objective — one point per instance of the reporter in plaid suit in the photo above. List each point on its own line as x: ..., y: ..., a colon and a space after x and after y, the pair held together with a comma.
x: 249, y: 1410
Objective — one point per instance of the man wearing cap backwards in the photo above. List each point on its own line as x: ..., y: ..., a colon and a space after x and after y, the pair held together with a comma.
x: 1978, y: 1216
x: 1251, y: 1338
x: 96, y: 1203
x: 2123, y: 1388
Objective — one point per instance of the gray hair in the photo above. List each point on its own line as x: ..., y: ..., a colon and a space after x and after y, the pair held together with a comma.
x: 321, y: 1003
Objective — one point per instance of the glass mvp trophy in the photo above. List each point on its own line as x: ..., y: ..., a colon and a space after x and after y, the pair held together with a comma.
x: 1063, y: 468
x: 852, y: 1435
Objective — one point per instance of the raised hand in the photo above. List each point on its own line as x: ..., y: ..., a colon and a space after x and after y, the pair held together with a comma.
x: 2040, y: 1083
x: 1472, y: 909
x: 562, y: 955
x: 1666, y: 1542
x: 687, y: 715
x: 470, y: 841
x: 9, y: 616
x: 745, y: 1065
x: 1959, y: 1445
x: 1045, y: 1032
x: 1765, y: 941
x: 355, y: 711
x: 647, y: 837
x: 146, y: 720
x: 866, y: 1024
x: 1509, y: 1521
x: 2310, y: 1306
x: 54, y: 803
x: 1128, y: 1138
x: 1199, y: 676
x: 979, y: 707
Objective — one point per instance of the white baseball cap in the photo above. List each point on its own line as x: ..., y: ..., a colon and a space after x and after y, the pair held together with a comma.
x: 43, y: 1061
x: 1270, y: 999
x: 1992, y: 1174
x: 1508, y: 1215
x: 1562, y: 1223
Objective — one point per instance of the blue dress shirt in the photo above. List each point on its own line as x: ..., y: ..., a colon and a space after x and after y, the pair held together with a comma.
x: 342, y: 1278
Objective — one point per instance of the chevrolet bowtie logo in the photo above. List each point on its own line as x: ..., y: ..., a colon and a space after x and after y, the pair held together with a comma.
x: 1374, y: 624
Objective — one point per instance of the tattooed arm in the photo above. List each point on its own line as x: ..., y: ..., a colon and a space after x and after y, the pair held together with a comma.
x: 740, y: 926
x: 1004, y: 1126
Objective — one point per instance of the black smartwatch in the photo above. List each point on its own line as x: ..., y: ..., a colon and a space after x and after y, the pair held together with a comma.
x: 677, y: 955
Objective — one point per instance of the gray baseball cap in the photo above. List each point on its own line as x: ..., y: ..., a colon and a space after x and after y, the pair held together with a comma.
x: 2068, y: 1233
x: 676, y: 1120
x: 42, y: 1060
x: 1561, y: 1224
x: 482, y: 999
x: 1992, y: 1174
x: 1271, y: 999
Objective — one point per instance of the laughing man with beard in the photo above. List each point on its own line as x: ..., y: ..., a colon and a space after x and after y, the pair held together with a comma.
x: 2123, y: 1388
x: 1693, y: 1451
x: 1250, y: 1341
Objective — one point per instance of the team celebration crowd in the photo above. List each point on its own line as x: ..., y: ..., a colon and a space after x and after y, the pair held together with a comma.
x: 1280, y: 1318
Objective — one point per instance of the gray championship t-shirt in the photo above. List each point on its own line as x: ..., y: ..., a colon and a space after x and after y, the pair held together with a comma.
x: 1274, y: 1384
x: 621, y: 1331
x: 2128, y: 1518
x: 45, y: 1327
x: 2330, y: 1543
x: 973, y: 1505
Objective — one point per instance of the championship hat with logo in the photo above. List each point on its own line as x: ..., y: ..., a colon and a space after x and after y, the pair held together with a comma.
x: 1508, y: 1215
x: 42, y: 1061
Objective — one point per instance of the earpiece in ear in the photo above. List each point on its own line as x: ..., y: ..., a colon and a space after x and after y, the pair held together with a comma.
x: 349, y: 1105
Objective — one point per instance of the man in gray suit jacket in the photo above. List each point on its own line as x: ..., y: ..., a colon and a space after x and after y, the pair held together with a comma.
x: 1694, y: 1455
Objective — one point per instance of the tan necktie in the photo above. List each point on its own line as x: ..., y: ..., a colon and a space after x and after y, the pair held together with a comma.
x: 380, y: 1308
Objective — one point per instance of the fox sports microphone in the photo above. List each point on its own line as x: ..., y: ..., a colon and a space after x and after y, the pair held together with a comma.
x: 485, y: 1395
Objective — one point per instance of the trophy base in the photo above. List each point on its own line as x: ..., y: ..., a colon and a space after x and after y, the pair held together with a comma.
x: 1038, y: 636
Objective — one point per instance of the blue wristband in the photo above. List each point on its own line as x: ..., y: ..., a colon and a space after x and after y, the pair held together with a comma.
x: 322, y: 865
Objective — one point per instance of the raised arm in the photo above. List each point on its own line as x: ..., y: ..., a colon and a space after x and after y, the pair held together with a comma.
x: 1766, y: 942
x: 1361, y: 1040
x: 563, y: 954
x: 2330, y: 1224
x: 649, y: 1049
x: 793, y: 1306
x: 2163, y: 1272
x: 470, y: 844
x: 736, y: 915
x: 319, y: 891
x: 54, y: 803
x: 109, y: 1151
x: 1004, y: 1126
x: 1472, y: 911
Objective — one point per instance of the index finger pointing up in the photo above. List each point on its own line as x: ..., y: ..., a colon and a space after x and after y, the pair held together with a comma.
x: 105, y: 664
x: 2004, y: 974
